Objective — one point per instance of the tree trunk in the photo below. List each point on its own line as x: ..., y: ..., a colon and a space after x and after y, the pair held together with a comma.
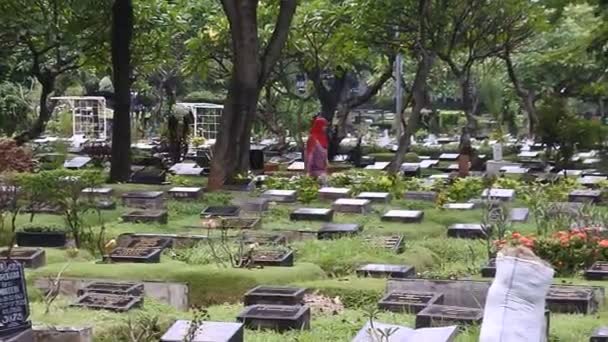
x: 468, y: 101
x: 122, y: 32
x: 44, y: 112
x: 527, y: 97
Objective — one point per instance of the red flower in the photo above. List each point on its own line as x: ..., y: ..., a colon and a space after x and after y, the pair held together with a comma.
x: 516, y: 235
x: 603, y: 243
x: 526, y: 242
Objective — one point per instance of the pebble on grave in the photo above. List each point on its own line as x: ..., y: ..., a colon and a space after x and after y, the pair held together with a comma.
x: 403, y: 216
x: 500, y: 194
x: 405, y: 334
x: 489, y: 269
x: 111, y: 302
x: 585, y: 196
x: 430, y: 196
x: 281, y: 196
x: 274, y: 295
x: 386, y: 271
x: 28, y: 257
x: 332, y: 194
x: 279, y: 318
x: 255, y: 204
x: 410, y: 302
x: 449, y: 156
x: 181, y: 193
x: 519, y: 215
x: 600, y: 335
x: 207, y: 331
x: 459, y: 206
x: 115, y: 288
x: 76, y: 163
x: 136, y: 255
x: 338, y: 230
x: 312, y: 214
x: 376, y: 197
x: 144, y: 199
x: 146, y: 216
x: 221, y: 211
x: 597, y: 271
x: 378, y: 166
x: 351, y: 205
x: 410, y: 169
x: 467, y: 231
x: 445, y: 315
x: 571, y: 299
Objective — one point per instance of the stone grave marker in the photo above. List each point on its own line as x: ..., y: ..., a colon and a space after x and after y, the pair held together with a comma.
x: 338, y: 230
x: 296, y: 166
x: 442, y: 176
x: 279, y: 258
x: 585, y: 196
x: 281, y: 196
x: 312, y: 214
x: 467, y: 231
x: 403, y: 216
x: 410, y: 169
x: 274, y: 295
x: 207, y: 331
x: 14, y: 304
x: 459, y: 206
x: 101, y: 196
x: 136, y: 255
x: 564, y: 208
x: 378, y: 166
x: 519, y: 215
x: 98, y: 192
x: 410, y: 302
x: 221, y: 211
x: 571, y: 299
x: 144, y: 200
x: 276, y: 317
x: 332, y: 194
x: 452, y: 167
x: 597, y: 271
x: 76, y: 163
x: 499, y: 194
x: 591, y: 181
x: 430, y: 196
x: 386, y: 271
x: 185, y: 193
x: 570, y: 173
x: 489, y: 269
x: 265, y: 239
x: 255, y: 204
x: 600, y: 335
x: 114, y: 288
x: 405, y: 334
x: 27, y: 257
x: 152, y: 175
x: 425, y: 164
x: 352, y: 206
x: 187, y: 169
x: 376, y: 197
x: 436, y: 315
x: 41, y: 238
x: 449, y: 156
x: 104, y: 301
x: 148, y: 242
x: 146, y: 216
x: 241, y: 223
x: 514, y: 170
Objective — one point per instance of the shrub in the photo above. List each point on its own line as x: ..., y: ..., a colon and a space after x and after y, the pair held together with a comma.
x: 307, y: 188
x: 463, y: 189
x: 411, y: 157
x: 14, y: 158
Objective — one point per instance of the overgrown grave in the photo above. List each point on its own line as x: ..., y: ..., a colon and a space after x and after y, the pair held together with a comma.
x: 279, y: 318
x: 113, y: 296
x: 410, y: 302
x: 150, y: 206
x: 436, y: 315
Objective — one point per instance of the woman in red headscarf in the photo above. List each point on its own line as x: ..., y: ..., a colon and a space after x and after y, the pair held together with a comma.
x: 315, y: 157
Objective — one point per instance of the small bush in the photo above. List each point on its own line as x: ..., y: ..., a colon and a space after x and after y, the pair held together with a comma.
x: 411, y: 157
x: 14, y: 158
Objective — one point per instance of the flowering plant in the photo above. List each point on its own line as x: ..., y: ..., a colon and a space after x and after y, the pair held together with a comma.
x: 567, y: 251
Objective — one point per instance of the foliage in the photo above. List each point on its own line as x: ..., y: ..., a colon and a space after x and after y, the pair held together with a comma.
x: 178, y: 180
x: 14, y: 158
x: 40, y: 228
x: 411, y: 157
x: 14, y: 108
x: 61, y: 125
x: 508, y: 183
x: 99, y: 152
x: 307, y: 188
x: 463, y: 189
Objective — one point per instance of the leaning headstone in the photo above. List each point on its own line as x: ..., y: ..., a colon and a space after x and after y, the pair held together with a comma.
x: 442, y: 315
x: 386, y: 271
x: 281, y: 196
x: 76, y: 163
x: 351, y: 205
x: 600, y: 335
x: 403, y: 216
x: 207, y: 331
x: 14, y: 304
x: 519, y: 215
x: 405, y: 334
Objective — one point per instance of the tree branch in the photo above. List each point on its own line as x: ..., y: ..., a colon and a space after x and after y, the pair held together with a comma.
x: 278, y: 38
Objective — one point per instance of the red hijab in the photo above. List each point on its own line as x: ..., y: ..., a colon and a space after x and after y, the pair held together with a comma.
x: 317, y: 134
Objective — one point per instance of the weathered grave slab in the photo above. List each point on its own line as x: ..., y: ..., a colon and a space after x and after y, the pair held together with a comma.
x: 425, y: 164
x: 41, y: 238
x: 114, y: 288
x: 241, y: 223
x: 331, y: 194
x: 600, y: 335
x: 465, y: 293
x: 152, y: 175
x: 597, y: 271
x: 98, y: 192
x: 15, y: 305
x: 514, y: 170
x: 185, y: 193
x: 445, y: 315
x: 403, y: 216
x: 591, y: 181
x: 186, y: 169
x: 136, y: 255
x: 221, y: 211
x: 296, y: 166
x: 76, y: 163
x: 459, y: 206
x: 26, y: 335
x: 519, y: 214
x: 585, y: 196
x: 571, y: 299
x: 278, y: 258
x: 410, y: 302
x: 591, y: 161
x: 28, y: 257
x: 148, y: 242
x: 146, y: 216
x: 441, y: 176
x: 207, y: 332
x: 102, y: 197
x: 338, y: 230
x: 265, y: 239
x: 466, y: 231
x: 281, y: 196
x: 499, y: 194
x: 104, y: 301
x: 352, y: 205
x: 255, y: 204
x: 386, y: 271
x: 410, y: 169
x: 376, y: 197
x: 276, y: 317
x: 405, y: 334
x: 489, y: 270
x: 430, y: 196
x: 177, y: 241
x: 312, y: 214
x: 378, y: 166
x: 274, y: 295
x: 449, y: 156
x: 144, y: 200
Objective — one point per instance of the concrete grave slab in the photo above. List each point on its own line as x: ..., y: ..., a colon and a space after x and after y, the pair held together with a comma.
x: 459, y: 206
x: 376, y: 197
x: 330, y: 193
x: 386, y: 271
x: 208, y: 331
x: 312, y: 214
x: 449, y: 156
x: 378, y: 166
x: 501, y: 194
x: 466, y: 231
x: 76, y: 163
x: 403, y: 216
x: 519, y: 215
x: 281, y: 196
x: 352, y: 205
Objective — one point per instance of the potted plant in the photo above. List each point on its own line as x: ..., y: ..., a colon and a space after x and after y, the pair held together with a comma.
x: 41, y: 236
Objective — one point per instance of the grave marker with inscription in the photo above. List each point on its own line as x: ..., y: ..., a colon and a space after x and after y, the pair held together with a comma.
x: 14, y: 305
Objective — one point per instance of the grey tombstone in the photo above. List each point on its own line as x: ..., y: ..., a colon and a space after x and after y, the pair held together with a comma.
x: 565, y: 208
x: 600, y: 335
x: 186, y: 169
x: 144, y: 199
x: 329, y: 193
x: 410, y: 169
x: 467, y: 231
x: 500, y: 194
x: 405, y: 334
x: 519, y: 214
x: 208, y: 331
x: 459, y: 206
x: 449, y: 156
x: 255, y: 204
x: 376, y: 197
x: 425, y: 164
x: 337, y: 230
x: 436, y: 315
x: 281, y: 196
x: 76, y: 163
x: 352, y: 205
x: 183, y: 192
x: 403, y: 216
x: 386, y: 271
x: 430, y: 196
x: 312, y: 214
x: 585, y: 196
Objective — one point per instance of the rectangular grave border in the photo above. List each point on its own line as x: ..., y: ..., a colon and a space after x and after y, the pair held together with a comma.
x: 35, y: 259
x: 274, y: 295
x: 131, y: 302
x: 428, y: 317
x: 274, y: 258
x: 263, y: 317
x: 151, y: 257
x: 390, y: 303
x: 114, y: 288
x: 146, y: 216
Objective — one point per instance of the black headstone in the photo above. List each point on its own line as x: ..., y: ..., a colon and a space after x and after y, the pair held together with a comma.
x: 14, y: 305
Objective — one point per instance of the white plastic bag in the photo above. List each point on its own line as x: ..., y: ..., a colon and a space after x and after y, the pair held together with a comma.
x: 515, y: 306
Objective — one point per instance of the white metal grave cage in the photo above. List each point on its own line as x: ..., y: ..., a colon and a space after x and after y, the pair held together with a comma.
x: 206, y: 118
x: 90, y: 116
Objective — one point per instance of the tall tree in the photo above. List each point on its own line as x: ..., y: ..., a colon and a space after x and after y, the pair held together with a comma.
x: 122, y: 33
x: 251, y: 67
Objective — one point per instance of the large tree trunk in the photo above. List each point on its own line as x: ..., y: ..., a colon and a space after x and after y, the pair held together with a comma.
x: 419, y: 96
x: 468, y: 101
x: 122, y: 32
x: 45, y: 111
x: 527, y: 97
